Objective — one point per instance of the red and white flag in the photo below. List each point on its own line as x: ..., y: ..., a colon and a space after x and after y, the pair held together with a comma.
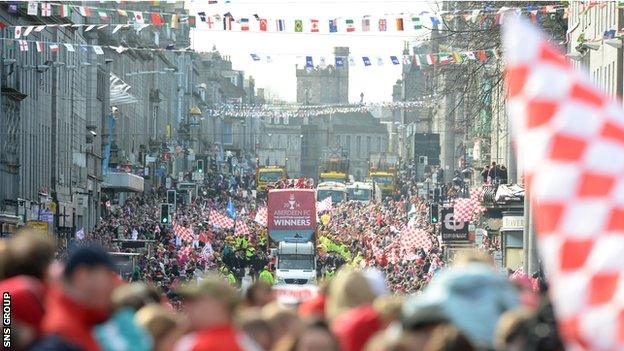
x: 18, y: 32
x: 54, y: 47
x: 217, y: 219
x: 184, y: 233
x: 241, y: 229
x: 324, y: 205
x: 314, y: 25
x: 412, y: 238
x: 23, y: 45
x: 84, y: 11
x: 46, y: 9
x: 40, y: 46
x: 570, y: 142
x: 261, y: 216
x: 138, y: 17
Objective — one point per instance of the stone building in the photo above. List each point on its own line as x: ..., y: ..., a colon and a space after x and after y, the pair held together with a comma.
x: 325, y: 85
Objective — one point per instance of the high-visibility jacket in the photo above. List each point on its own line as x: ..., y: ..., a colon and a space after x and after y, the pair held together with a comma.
x: 267, y: 276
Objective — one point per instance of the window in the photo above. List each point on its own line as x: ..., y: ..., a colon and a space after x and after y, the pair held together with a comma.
x: 368, y: 145
x: 358, y: 145
x: 348, y: 146
x: 227, y: 133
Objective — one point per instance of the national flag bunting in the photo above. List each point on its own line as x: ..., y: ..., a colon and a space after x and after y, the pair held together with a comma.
x: 103, y: 15
x: 350, y: 25
x: 366, y: 60
x: 46, y: 9
x: 298, y: 26
x: 54, y: 47
x: 339, y: 62
x: 244, y: 24
x: 64, y: 11
x: 27, y: 31
x: 202, y: 16
x: 40, y: 46
x: 314, y: 25
x: 33, y: 8
x: 84, y: 11
x: 263, y: 24
x: 399, y: 24
x: 395, y: 60
x: 333, y: 26
x: 157, y: 19
x: 416, y: 22
x: 309, y: 62
x: 255, y: 57
x: 280, y: 25
x: 365, y: 25
x: 383, y: 25
x: 23, y: 45
x: 138, y: 17
x: 17, y: 32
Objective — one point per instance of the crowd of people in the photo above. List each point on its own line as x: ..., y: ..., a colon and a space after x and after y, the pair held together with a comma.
x: 215, y: 292
x: 83, y: 304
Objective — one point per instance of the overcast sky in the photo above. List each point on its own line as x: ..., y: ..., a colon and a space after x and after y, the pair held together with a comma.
x: 288, y: 48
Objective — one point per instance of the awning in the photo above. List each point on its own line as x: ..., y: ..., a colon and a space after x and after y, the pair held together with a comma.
x: 123, y: 182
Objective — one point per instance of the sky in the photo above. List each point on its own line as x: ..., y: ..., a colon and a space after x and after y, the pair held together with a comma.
x: 288, y: 49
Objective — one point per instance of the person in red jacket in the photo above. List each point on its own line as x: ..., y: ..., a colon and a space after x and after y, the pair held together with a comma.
x: 209, y: 306
x: 81, y: 301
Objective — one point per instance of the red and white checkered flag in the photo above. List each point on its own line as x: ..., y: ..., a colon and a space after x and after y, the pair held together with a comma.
x: 261, y: 216
x: 184, y: 233
x: 325, y: 205
x: 570, y: 142
x: 221, y: 221
x: 463, y: 209
x: 412, y: 238
x: 241, y: 229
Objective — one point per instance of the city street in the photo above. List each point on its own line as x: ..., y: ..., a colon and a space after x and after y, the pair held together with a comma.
x: 341, y: 175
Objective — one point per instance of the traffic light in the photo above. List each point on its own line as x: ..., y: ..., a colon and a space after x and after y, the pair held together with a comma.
x: 434, y: 213
x: 200, y: 166
x: 164, y: 214
x: 171, y: 197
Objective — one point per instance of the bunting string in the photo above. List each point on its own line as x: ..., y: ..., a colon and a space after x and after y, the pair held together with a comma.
x: 388, y: 22
x: 441, y: 58
x: 301, y: 111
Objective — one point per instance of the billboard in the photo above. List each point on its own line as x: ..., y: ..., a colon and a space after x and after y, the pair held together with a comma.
x: 291, y: 214
x: 452, y: 230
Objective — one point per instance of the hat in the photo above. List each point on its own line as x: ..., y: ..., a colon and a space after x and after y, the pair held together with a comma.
x: 90, y: 256
x: 211, y: 285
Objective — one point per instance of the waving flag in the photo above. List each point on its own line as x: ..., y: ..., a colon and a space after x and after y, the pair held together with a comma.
x: 570, y: 141
x: 221, y: 221
x: 333, y: 26
x: 261, y: 216
x: 231, y: 210
x: 241, y: 229
x: 184, y: 233
x: 412, y: 239
x: 324, y: 205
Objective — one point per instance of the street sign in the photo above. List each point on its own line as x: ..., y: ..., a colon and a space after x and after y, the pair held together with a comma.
x: 452, y: 230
